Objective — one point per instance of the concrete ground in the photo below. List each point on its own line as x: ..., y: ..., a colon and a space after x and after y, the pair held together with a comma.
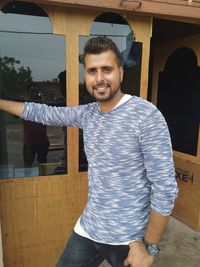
x: 180, y: 247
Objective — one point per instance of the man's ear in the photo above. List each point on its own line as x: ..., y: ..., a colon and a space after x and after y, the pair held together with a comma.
x: 121, y: 70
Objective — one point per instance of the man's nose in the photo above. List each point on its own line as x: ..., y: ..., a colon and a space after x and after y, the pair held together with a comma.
x: 99, y: 76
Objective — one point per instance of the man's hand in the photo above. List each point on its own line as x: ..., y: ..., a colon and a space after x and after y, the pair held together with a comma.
x: 138, y: 256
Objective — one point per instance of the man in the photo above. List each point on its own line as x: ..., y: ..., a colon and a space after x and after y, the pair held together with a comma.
x: 132, y: 184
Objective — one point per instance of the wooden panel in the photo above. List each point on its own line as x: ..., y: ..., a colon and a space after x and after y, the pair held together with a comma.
x: 198, y: 148
x: 180, y: 2
x: 72, y: 98
x: 187, y: 209
x: 71, y: 23
x: 1, y: 251
x: 142, y: 28
x: 184, y: 156
x: 146, y: 7
x: 37, y: 215
x: 187, y: 206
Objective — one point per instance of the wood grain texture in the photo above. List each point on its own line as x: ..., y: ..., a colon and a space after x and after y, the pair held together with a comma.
x: 147, y: 7
x: 142, y: 28
x: 37, y: 216
x: 187, y: 206
x: 198, y: 147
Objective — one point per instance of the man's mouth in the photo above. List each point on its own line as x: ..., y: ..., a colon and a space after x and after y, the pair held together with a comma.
x: 101, y: 87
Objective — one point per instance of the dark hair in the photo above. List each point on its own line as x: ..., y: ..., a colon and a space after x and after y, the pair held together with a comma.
x: 100, y: 44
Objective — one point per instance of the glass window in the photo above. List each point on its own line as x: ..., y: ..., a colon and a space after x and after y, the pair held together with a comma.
x: 32, y: 63
x: 117, y: 28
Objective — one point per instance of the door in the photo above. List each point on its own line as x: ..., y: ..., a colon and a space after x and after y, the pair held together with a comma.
x: 176, y: 92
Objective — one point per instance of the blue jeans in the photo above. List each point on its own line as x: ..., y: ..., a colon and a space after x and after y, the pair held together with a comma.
x: 83, y: 252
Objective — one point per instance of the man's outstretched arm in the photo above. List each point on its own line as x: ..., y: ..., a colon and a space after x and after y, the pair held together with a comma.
x: 13, y: 107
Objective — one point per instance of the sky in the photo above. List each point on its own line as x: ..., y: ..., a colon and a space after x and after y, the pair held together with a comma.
x: 43, y: 52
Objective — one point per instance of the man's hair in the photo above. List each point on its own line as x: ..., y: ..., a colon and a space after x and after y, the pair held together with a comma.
x: 100, y: 44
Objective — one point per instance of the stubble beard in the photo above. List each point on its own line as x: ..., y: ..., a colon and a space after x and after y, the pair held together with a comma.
x: 109, y: 97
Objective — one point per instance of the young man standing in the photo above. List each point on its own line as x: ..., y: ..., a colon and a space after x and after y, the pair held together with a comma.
x: 132, y: 185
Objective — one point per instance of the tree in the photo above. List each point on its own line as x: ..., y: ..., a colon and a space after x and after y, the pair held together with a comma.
x: 15, y: 79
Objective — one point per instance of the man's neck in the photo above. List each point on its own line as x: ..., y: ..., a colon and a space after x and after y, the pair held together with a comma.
x: 109, y: 105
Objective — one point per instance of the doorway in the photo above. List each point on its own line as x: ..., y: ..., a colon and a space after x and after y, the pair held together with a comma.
x: 175, y: 89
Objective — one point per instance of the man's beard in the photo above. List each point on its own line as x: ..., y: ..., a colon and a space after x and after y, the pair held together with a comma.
x: 109, y: 97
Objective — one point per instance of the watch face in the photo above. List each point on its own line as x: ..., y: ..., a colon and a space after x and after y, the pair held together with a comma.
x: 153, y: 249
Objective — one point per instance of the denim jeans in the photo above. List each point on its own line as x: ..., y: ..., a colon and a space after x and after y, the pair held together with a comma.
x: 83, y: 252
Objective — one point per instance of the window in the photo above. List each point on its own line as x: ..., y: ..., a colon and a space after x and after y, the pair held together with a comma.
x: 32, y: 62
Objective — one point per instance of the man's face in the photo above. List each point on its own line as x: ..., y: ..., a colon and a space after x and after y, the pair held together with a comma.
x: 103, y: 76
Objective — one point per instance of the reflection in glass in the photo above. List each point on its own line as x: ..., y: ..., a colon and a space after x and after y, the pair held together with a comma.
x: 30, y: 71
x: 115, y: 27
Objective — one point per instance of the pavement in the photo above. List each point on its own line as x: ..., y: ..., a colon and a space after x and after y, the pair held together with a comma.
x: 180, y: 247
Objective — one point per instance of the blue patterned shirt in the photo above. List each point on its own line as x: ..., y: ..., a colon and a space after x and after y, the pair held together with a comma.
x: 130, y: 164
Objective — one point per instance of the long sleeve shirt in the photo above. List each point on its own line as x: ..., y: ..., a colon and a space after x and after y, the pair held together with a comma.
x: 130, y: 164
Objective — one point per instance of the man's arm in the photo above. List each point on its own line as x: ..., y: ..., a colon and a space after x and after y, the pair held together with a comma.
x: 156, y: 227
x: 158, y: 160
x: 47, y: 115
x: 13, y: 107
x: 138, y: 255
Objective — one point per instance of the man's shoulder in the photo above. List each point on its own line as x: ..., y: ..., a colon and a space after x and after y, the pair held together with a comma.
x: 142, y: 107
x: 143, y: 103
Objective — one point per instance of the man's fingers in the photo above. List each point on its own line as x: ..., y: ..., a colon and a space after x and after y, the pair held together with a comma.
x: 126, y: 262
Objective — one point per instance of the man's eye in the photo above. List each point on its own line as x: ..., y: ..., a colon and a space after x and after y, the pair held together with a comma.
x: 91, y: 71
x: 107, y: 70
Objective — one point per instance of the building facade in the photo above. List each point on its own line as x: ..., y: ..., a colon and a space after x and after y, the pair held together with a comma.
x: 41, y: 47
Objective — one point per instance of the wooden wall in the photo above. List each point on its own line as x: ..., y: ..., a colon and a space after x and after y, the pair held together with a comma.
x: 174, y: 9
x: 37, y: 216
x: 1, y: 250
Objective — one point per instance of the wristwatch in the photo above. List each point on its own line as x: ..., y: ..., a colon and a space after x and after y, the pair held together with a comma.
x: 151, y: 248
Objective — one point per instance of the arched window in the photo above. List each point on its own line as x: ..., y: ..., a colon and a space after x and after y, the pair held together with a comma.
x: 179, y: 98
x: 32, y: 61
x: 116, y: 28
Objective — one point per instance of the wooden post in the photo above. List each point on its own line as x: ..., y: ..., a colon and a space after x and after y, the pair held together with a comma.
x: 1, y: 252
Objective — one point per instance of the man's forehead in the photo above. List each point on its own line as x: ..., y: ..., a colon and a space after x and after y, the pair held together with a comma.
x: 104, y: 58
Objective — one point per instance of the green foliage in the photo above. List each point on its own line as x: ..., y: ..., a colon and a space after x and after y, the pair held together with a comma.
x: 15, y: 79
